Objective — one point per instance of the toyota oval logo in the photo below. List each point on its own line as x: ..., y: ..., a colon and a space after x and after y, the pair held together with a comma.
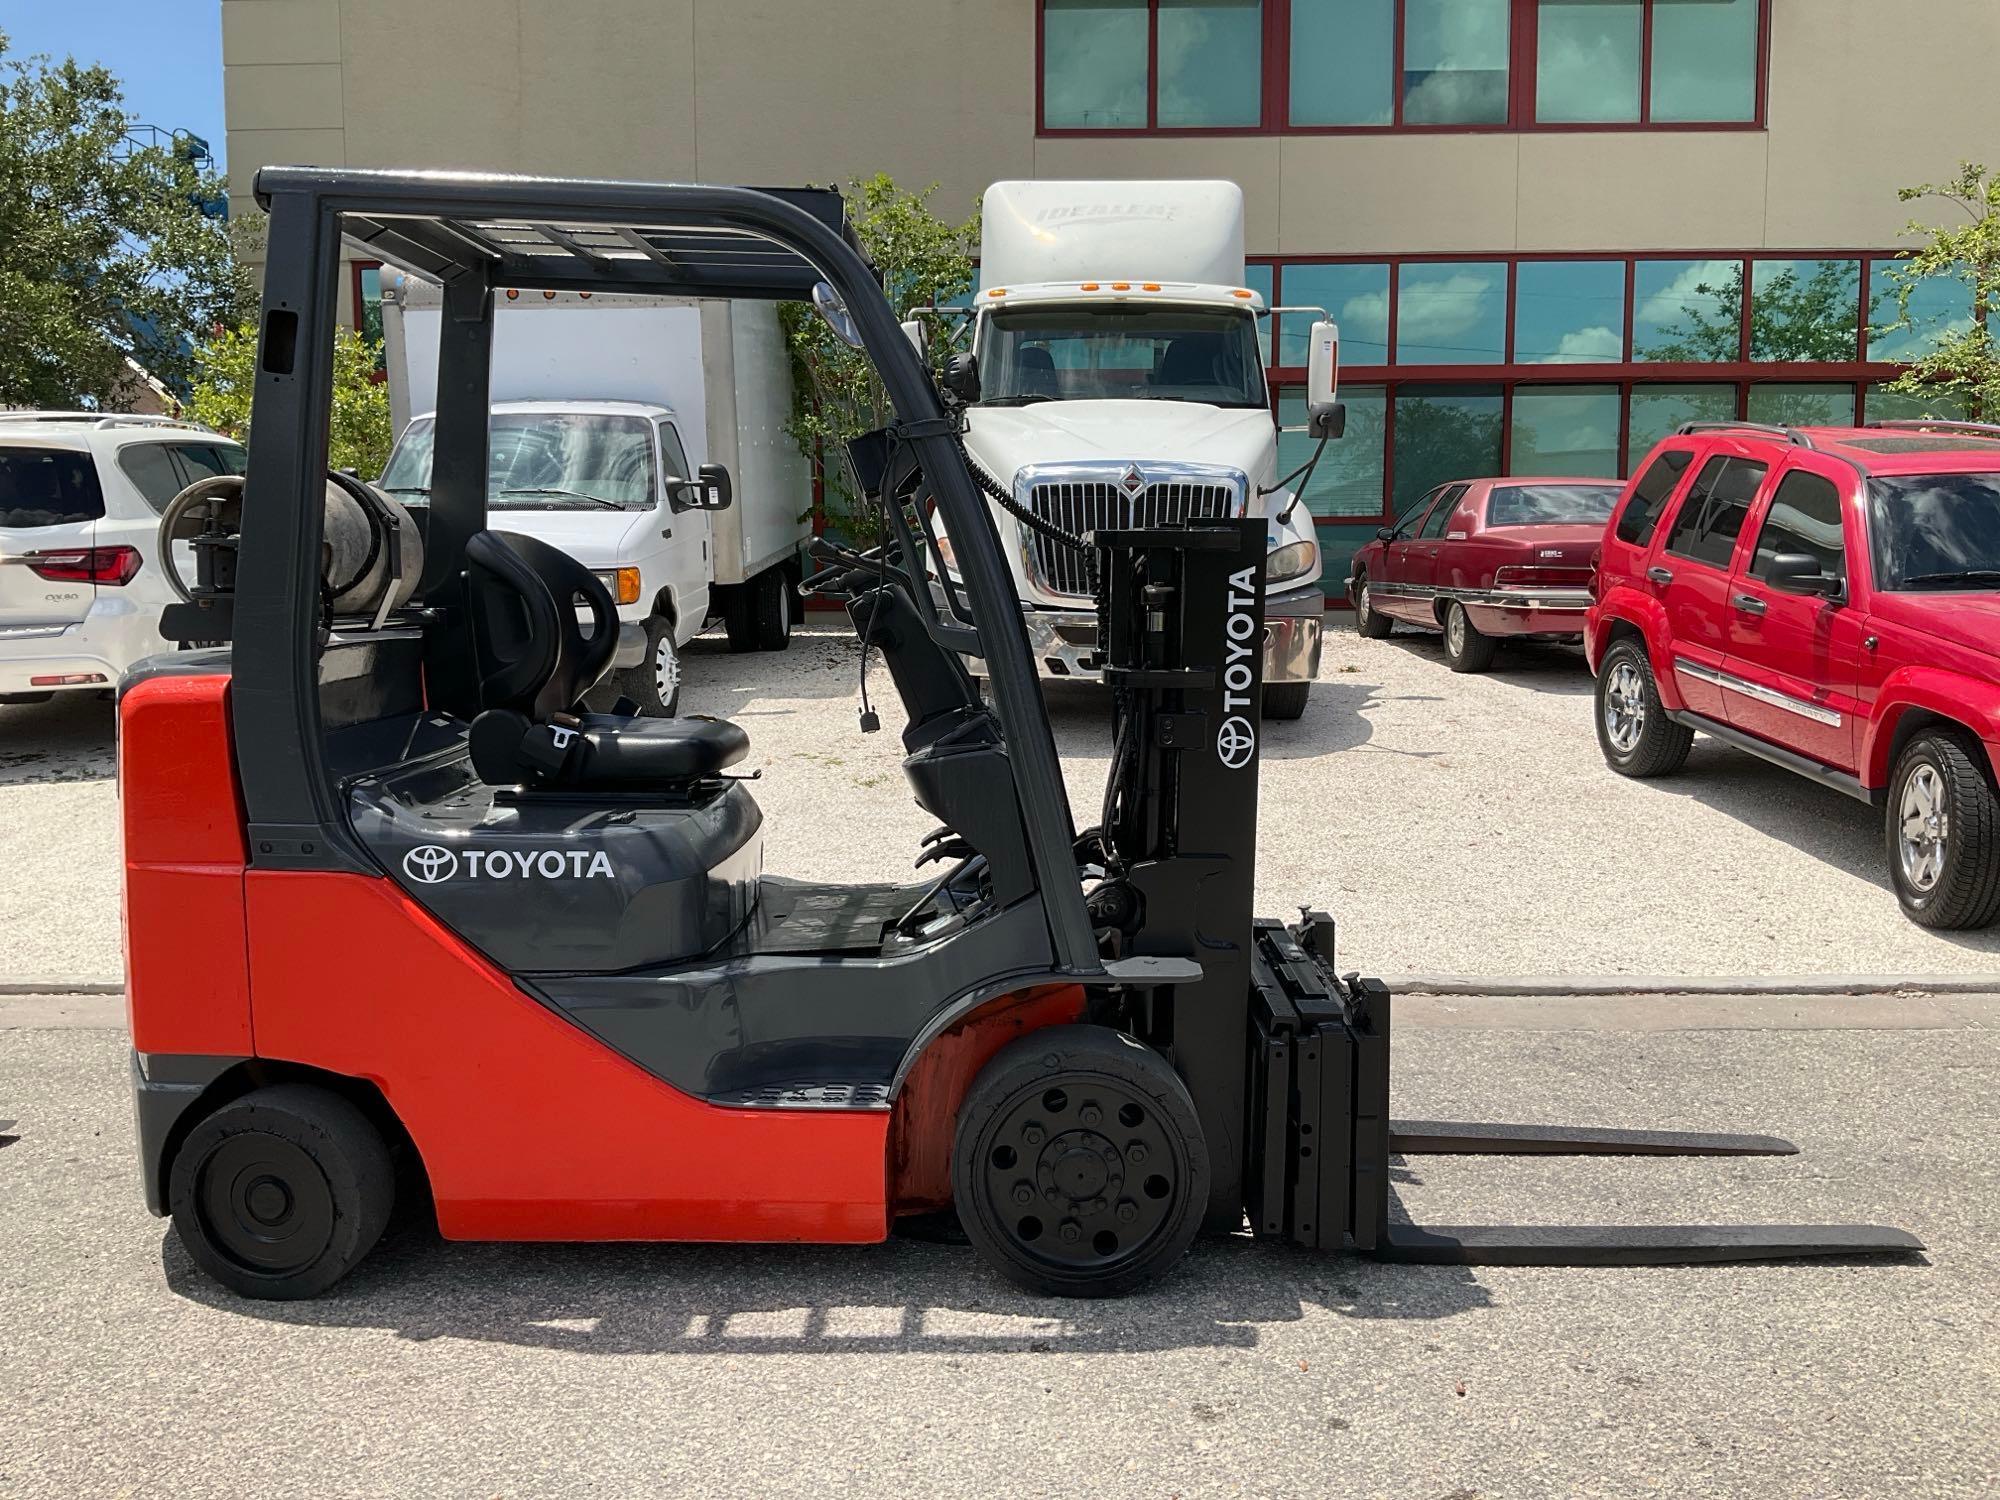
x: 1235, y: 742
x: 428, y: 864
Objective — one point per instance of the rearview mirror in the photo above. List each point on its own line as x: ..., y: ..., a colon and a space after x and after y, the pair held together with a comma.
x: 829, y: 305
x: 710, y: 489
x: 1325, y: 416
x: 1798, y: 573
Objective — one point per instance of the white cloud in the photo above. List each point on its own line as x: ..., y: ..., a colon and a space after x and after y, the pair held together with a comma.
x: 1669, y: 304
x: 1580, y: 346
x: 1435, y: 314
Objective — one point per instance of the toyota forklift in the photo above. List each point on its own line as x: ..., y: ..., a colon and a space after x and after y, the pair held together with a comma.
x: 406, y: 917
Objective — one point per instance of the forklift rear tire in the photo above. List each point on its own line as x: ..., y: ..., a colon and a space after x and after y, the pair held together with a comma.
x: 1286, y: 700
x: 771, y: 603
x: 1079, y: 1167
x: 278, y: 1194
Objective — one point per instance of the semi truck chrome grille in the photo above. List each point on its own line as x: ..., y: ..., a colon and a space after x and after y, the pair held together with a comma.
x: 1080, y: 507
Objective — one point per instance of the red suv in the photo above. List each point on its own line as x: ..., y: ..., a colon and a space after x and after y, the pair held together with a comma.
x: 1829, y: 599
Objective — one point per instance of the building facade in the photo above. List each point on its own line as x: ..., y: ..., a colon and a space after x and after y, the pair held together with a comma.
x: 1549, y: 229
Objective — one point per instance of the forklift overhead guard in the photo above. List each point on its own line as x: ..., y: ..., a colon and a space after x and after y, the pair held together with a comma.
x: 588, y: 1012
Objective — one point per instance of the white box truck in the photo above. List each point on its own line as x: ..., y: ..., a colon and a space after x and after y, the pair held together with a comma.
x: 1115, y: 377
x: 605, y: 410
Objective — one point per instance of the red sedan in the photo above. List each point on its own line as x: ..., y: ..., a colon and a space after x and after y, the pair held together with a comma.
x: 1484, y: 558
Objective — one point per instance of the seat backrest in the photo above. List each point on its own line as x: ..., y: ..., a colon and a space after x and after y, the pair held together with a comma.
x: 529, y: 653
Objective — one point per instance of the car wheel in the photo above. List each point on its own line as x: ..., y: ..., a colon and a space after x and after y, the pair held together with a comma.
x: 1633, y: 730
x: 1366, y: 620
x: 655, y: 684
x: 1465, y: 649
x: 772, y: 606
x: 1943, y: 833
x: 278, y: 1194
x: 1079, y: 1168
x: 1286, y: 700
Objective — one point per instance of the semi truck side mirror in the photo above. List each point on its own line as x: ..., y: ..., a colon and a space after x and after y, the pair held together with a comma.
x: 913, y: 330
x: 961, y: 377
x: 1325, y: 416
x: 710, y: 489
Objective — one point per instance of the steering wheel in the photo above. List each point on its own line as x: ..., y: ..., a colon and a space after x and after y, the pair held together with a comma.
x: 215, y: 503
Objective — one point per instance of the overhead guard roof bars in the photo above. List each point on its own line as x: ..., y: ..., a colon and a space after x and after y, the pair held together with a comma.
x: 603, y: 236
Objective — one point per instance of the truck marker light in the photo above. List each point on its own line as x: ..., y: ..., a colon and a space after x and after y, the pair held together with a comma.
x: 548, y: 296
x: 1243, y: 293
x: 998, y: 291
x: 1087, y: 286
x: 1149, y: 286
x: 513, y: 294
x: 1121, y: 286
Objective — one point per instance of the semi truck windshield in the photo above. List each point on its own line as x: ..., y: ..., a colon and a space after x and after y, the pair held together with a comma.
x: 1121, y: 353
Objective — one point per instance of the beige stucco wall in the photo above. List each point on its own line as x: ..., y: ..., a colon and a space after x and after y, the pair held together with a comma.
x: 1865, y: 96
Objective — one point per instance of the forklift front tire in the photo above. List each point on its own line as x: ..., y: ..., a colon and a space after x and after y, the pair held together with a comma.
x: 278, y: 1194
x: 1079, y: 1168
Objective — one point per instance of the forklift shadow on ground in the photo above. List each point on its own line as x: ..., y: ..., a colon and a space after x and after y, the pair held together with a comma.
x: 900, y: 1297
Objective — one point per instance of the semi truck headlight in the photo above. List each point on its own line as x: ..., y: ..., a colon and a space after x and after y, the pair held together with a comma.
x: 623, y: 583
x: 1293, y: 560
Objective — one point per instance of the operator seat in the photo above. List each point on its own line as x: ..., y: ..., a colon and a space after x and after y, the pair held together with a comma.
x: 534, y: 664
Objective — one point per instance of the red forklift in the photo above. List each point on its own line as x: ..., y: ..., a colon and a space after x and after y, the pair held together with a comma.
x: 405, y: 916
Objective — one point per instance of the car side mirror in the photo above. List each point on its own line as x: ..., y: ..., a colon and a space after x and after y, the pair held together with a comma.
x: 961, y: 377
x: 1798, y: 573
x: 710, y: 489
x: 1385, y: 533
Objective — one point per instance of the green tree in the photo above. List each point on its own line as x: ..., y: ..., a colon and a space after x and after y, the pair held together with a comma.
x: 359, y: 436
x: 103, y: 238
x: 1961, y: 372
x: 836, y: 395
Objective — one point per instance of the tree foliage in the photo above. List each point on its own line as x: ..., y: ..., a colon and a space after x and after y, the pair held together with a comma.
x: 836, y: 395
x: 107, y: 254
x: 359, y: 436
x: 1961, y: 372
x: 1809, y: 319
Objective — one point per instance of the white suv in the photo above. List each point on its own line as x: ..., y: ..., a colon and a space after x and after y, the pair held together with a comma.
x: 80, y: 583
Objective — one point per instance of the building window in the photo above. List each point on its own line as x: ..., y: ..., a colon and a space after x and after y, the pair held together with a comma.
x: 1799, y: 405
x: 1097, y: 73
x: 1656, y: 410
x: 1805, y: 311
x: 1443, y: 433
x: 1940, y: 307
x: 1569, y: 312
x: 1354, y: 294
x: 1687, y: 311
x: 1374, y: 65
x: 1455, y: 56
x: 1452, y: 313
x: 1566, y: 430
x: 1347, y: 483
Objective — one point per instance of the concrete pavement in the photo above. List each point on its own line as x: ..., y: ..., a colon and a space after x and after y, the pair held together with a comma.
x: 685, y: 1370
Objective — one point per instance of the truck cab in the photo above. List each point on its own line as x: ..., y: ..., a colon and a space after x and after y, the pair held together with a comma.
x: 1115, y: 377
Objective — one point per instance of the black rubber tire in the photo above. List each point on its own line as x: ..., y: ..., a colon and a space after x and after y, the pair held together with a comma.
x: 739, y: 618
x: 771, y: 606
x: 1286, y: 700
x: 1019, y: 1086
x: 1967, y: 892
x: 642, y: 683
x: 1372, y: 623
x: 315, y: 1157
x: 1475, y: 651
x: 1663, y: 743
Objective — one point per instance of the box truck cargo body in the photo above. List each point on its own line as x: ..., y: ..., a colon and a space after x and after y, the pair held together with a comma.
x: 605, y: 412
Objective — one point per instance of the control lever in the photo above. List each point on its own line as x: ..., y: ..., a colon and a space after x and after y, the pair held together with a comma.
x: 952, y: 848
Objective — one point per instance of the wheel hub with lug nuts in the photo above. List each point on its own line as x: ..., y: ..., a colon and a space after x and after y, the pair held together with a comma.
x: 1923, y: 838
x: 1081, y: 1172
x: 1624, y: 707
x: 1454, y: 629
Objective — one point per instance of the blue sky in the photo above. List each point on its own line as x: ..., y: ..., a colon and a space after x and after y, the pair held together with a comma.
x: 166, y: 53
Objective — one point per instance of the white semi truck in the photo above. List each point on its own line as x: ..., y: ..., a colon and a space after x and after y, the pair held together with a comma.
x: 618, y: 425
x: 1115, y: 377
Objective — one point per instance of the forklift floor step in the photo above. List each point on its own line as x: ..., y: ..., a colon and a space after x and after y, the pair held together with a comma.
x: 806, y: 1096
x: 1455, y: 1138
x: 1633, y: 1244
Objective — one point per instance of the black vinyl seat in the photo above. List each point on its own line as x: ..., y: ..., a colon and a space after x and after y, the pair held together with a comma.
x: 534, y: 664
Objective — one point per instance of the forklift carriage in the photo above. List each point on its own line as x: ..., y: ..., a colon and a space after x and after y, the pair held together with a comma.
x: 404, y: 916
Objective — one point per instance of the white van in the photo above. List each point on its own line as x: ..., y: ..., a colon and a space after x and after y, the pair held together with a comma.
x: 605, y: 412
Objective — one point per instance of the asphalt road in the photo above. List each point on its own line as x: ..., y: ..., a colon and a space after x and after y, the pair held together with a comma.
x: 477, y: 1370
x: 1454, y: 825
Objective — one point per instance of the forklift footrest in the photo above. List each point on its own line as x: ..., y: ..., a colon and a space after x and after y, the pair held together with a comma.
x: 1453, y: 1138
x: 1633, y: 1244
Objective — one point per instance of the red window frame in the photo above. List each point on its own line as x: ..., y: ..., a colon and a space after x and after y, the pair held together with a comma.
x: 1507, y: 375
x: 1276, y: 78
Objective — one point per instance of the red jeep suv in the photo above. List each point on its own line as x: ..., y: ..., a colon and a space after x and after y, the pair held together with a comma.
x: 1829, y: 599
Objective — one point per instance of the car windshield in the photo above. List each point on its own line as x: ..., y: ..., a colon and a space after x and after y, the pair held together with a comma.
x: 1551, y: 504
x: 543, y: 461
x: 1936, y: 531
x: 1114, y: 352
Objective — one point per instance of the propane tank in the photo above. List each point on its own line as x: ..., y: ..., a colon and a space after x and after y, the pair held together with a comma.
x: 369, y: 548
